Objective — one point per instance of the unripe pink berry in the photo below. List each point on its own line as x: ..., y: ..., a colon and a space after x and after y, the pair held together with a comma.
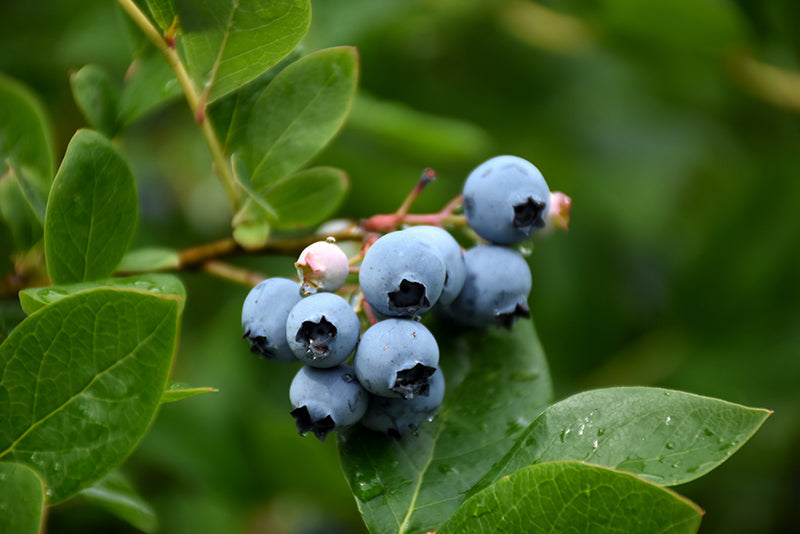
x: 322, y: 266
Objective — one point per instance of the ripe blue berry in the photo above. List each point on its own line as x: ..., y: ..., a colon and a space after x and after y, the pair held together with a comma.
x: 506, y: 199
x: 496, y: 289
x: 326, y: 399
x: 396, y: 358
x: 401, y: 275
x: 264, y: 316
x: 450, y: 252
x: 322, y: 330
x: 395, y: 416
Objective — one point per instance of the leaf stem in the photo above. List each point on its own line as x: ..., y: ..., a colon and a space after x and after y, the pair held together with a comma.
x: 196, y: 103
x: 239, y: 275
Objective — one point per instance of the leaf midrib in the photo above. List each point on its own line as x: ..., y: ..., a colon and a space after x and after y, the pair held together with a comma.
x: 108, y: 369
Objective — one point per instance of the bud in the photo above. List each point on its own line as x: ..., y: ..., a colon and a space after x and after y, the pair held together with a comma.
x: 558, y: 213
x: 322, y: 266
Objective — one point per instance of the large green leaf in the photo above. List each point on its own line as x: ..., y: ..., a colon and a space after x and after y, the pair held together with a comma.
x: 96, y: 97
x: 299, y: 112
x: 81, y: 380
x: 308, y: 197
x: 91, y: 212
x: 24, y: 130
x: 34, y: 298
x: 496, y: 383
x: 115, y: 494
x: 21, y: 499
x: 667, y: 437
x: 574, y: 497
x: 230, y: 42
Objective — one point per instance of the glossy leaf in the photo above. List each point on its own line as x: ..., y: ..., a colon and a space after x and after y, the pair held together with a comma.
x: 574, y: 497
x: 21, y: 499
x: 91, y: 212
x: 299, y: 112
x: 35, y: 298
x: 667, y: 437
x: 149, y: 83
x: 228, y: 44
x: 115, y: 494
x: 496, y: 383
x: 177, y: 392
x: 149, y: 259
x: 24, y: 130
x: 96, y: 97
x: 81, y: 381
x: 308, y: 197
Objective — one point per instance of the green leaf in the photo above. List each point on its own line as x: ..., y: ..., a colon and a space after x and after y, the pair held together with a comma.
x: 177, y: 392
x: 81, y: 381
x: 24, y: 130
x: 251, y: 226
x: 17, y: 212
x: 229, y: 43
x: 231, y: 113
x: 33, y: 187
x: 163, y: 12
x: 149, y: 259
x: 421, y: 135
x: 21, y: 499
x: 497, y: 382
x: 115, y: 494
x: 35, y: 298
x: 667, y: 437
x: 96, y: 97
x: 91, y: 212
x: 574, y: 497
x: 308, y: 197
x: 299, y: 113
x: 149, y: 83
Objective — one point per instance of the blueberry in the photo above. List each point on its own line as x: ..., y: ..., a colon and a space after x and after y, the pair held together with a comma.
x: 505, y: 200
x: 496, y: 289
x: 395, y: 416
x: 326, y: 399
x: 264, y: 317
x: 322, y: 330
x: 450, y: 252
x: 401, y: 275
x: 396, y: 358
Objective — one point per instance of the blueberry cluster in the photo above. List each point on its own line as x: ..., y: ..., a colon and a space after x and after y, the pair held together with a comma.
x: 394, y: 381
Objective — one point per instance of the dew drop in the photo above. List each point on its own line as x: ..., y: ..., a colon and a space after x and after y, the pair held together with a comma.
x: 668, y: 420
x: 563, y: 435
x: 667, y: 393
x: 674, y: 465
x: 330, y: 239
x: 669, y: 445
x: 367, y: 489
x: 525, y: 251
x: 601, y: 431
x: 708, y: 432
x: 594, y: 445
x: 49, y: 492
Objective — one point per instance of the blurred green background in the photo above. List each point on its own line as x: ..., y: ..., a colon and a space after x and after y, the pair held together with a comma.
x: 674, y: 126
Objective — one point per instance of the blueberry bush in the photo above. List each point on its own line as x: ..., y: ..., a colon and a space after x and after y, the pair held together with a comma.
x: 210, y: 170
